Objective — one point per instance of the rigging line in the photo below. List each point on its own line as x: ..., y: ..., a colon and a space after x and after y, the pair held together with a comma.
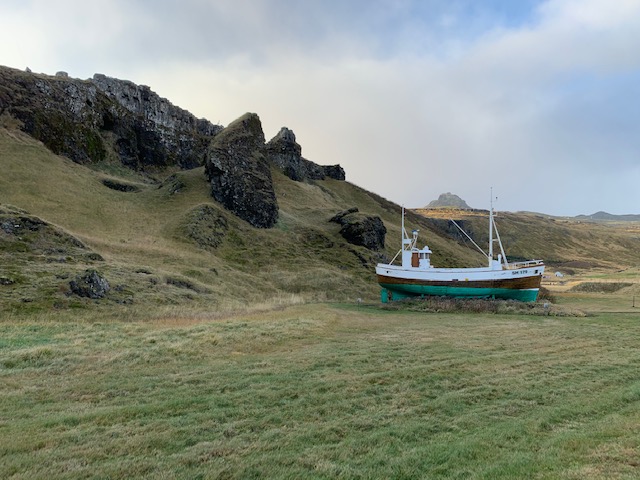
x: 467, y: 235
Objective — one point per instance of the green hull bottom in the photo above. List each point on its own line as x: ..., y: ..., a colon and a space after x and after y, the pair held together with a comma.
x: 392, y: 293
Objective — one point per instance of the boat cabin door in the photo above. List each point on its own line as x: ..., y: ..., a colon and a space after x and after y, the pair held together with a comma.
x: 421, y: 258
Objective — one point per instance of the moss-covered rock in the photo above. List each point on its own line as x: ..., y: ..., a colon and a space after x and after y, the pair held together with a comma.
x: 90, y: 284
x: 360, y: 229
x: 239, y: 174
x: 21, y: 232
x: 206, y: 227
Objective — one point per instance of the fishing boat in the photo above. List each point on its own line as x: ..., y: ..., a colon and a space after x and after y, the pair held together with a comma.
x: 416, y: 277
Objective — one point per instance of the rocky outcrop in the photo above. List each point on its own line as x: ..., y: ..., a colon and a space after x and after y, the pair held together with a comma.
x: 239, y: 173
x: 182, y: 138
x: 359, y: 229
x: 119, y: 186
x: 90, y: 284
x: 337, y: 218
x: 30, y: 235
x: 237, y: 166
x: 91, y: 120
x: 449, y: 200
x: 285, y: 153
x: 334, y: 171
x: 103, y: 118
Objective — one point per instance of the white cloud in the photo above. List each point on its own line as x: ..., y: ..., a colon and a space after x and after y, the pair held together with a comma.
x: 412, y: 100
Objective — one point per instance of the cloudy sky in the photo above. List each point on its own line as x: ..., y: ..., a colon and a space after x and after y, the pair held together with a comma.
x: 539, y: 99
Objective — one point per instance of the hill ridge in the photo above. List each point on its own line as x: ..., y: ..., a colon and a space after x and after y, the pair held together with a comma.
x: 107, y: 120
x: 168, y: 233
x: 604, y: 216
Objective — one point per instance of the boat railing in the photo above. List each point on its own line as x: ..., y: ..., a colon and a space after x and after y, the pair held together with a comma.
x: 518, y: 265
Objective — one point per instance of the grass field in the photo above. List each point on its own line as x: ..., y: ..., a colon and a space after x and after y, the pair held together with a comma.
x: 321, y: 391
x: 221, y: 351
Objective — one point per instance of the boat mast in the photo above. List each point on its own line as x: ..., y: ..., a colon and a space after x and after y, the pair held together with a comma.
x: 491, y: 229
x: 492, y: 226
x: 405, y: 243
x: 402, y: 233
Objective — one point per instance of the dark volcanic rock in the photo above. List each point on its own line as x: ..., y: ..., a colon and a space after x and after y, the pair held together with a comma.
x: 85, y: 120
x: 285, y: 153
x: 173, y: 184
x: 162, y: 133
x: 31, y: 234
x: 96, y: 120
x: 239, y: 173
x: 17, y: 225
x: 334, y: 171
x: 90, y: 284
x: 358, y: 229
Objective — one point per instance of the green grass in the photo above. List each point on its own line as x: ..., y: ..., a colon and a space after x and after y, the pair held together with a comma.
x: 156, y: 230
x: 173, y: 229
x: 319, y: 391
x: 210, y: 359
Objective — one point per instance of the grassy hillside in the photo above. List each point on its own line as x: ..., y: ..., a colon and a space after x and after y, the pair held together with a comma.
x: 166, y: 241
x: 563, y: 243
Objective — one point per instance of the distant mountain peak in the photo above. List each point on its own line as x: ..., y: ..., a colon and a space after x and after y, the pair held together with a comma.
x: 449, y: 200
x: 604, y: 216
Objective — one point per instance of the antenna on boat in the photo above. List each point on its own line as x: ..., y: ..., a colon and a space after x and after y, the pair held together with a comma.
x: 491, y: 229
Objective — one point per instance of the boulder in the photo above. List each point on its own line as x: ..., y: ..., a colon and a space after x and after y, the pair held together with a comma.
x: 359, y: 229
x: 90, y: 284
x: 239, y: 174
